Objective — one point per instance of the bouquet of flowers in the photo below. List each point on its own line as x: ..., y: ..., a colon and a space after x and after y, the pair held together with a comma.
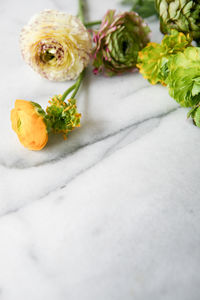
x: 60, y: 46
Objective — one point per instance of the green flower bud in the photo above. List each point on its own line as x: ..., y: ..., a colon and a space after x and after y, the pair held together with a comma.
x: 63, y: 117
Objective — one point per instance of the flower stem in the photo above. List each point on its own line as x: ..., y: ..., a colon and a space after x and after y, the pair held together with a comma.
x: 81, y: 10
x: 80, y: 78
x: 90, y: 24
x: 75, y: 87
x: 81, y: 15
x: 78, y: 83
x: 69, y: 90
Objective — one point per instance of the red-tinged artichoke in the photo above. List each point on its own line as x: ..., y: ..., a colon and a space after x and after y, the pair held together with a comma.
x: 183, y: 15
x: 118, y: 41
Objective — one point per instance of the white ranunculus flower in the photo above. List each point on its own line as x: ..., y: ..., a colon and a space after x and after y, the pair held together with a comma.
x: 56, y: 45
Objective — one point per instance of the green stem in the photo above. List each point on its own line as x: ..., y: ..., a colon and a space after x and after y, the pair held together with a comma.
x: 90, y: 24
x: 80, y: 10
x: 81, y: 15
x: 78, y: 83
x: 69, y: 90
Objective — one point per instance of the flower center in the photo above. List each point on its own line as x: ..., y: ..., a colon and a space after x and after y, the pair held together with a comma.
x: 47, y: 56
x: 124, y: 47
x: 50, y: 52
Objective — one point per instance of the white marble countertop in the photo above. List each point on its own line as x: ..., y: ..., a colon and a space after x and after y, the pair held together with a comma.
x: 113, y: 212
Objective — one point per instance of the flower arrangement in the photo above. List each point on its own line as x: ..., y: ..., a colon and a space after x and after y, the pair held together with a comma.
x: 59, y: 47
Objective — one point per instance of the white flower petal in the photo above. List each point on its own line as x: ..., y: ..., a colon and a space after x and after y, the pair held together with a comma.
x: 56, y: 45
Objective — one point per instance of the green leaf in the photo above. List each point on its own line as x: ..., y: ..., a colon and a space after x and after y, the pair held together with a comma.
x: 191, y: 113
x: 196, y: 86
x: 145, y: 8
x: 197, y: 117
x: 194, y: 113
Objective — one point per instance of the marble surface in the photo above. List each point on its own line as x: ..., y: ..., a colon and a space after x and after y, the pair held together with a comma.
x: 112, y: 213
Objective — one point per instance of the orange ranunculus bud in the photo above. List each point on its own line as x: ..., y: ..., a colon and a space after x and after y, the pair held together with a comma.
x: 28, y: 122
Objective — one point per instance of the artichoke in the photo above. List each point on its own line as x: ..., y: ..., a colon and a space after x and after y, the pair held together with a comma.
x: 184, y: 77
x: 118, y: 41
x: 183, y: 15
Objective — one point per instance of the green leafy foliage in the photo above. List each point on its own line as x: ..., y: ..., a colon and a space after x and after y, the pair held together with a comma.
x: 194, y: 113
x: 145, y: 8
x: 42, y: 113
x: 38, y: 108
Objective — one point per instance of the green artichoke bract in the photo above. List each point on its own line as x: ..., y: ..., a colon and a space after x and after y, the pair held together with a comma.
x: 184, y: 77
x: 118, y: 41
x: 153, y: 59
x: 183, y: 15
